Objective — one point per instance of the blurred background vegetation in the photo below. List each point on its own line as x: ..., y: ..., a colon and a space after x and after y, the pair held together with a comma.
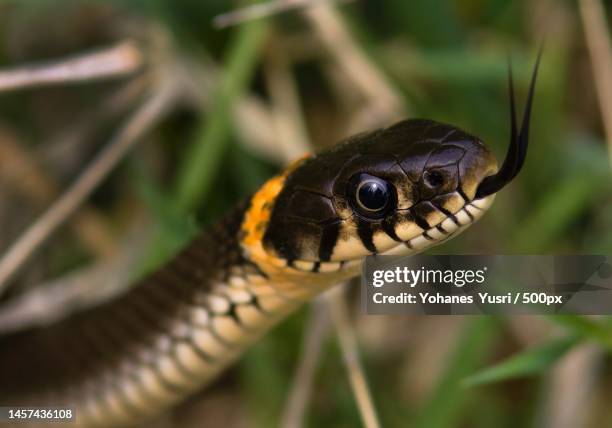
x: 220, y: 110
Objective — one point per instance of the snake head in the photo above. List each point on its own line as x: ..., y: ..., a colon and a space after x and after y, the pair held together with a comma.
x: 398, y: 190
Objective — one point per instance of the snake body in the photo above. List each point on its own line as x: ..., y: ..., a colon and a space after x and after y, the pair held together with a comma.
x: 397, y: 190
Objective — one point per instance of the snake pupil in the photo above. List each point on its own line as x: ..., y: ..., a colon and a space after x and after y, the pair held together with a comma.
x: 433, y: 179
x: 372, y: 195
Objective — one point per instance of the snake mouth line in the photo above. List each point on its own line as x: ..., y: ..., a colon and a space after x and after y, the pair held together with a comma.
x: 448, y: 228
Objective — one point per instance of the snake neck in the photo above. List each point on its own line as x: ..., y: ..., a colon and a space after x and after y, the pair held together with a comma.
x: 295, y: 280
x: 169, y: 335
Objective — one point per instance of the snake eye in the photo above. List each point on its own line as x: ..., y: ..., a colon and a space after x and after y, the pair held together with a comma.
x: 433, y: 179
x: 372, y: 196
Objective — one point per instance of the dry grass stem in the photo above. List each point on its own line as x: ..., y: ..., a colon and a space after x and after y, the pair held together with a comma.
x: 136, y: 126
x: 316, y: 332
x: 255, y: 123
x: 348, y: 346
x: 530, y: 330
x: 572, y: 388
x: 118, y: 60
x: 380, y: 96
x: 292, y: 135
x: 598, y: 41
x: 261, y: 10
x: 252, y: 118
x: 80, y: 289
x: 117, y: 103
x: 20, y: 170
x: 424, y: 364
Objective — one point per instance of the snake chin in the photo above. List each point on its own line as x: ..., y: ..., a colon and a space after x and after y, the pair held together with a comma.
x: 446, y: 229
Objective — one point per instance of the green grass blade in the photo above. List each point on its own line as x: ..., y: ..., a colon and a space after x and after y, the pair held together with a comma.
x: 582, y: 187
x: 559, y: 208
x: 203, y: 158
x: 443, y: 408
x: 173, y: 228
x: 530, y: 362
x: 586, y: 328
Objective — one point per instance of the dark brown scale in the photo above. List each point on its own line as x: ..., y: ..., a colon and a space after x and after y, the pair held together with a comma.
x: 388, y: 225
x: 365, y: 230
x: 427, y: 236
x: 328, y: 241
x: 419, y: 219
x: 421, y: 211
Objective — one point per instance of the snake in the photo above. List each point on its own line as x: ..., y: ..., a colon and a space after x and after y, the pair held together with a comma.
x: 396, y: 190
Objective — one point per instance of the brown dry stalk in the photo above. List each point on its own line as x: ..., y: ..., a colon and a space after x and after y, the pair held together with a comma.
x: 316, y: 332
x: 19, y: 170
x: 287, y: 114
x: 136, y: 126
x: 112, y: 106
x: 350, y: 352
x: 118, y: 60
x: 87, y: 286
x: 572, y: 386
x: 354, y: 65
x: 261, y: 10
x: 598, y: 41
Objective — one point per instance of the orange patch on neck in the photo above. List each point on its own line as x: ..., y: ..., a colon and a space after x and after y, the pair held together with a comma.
x: 292, y: 284
x: 257, y: 217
